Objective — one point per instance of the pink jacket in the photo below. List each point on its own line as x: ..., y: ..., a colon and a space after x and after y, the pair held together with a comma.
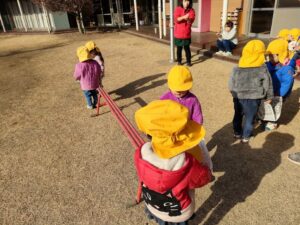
x: 88, y: 73
x: 173, y: 186
x: 183, y: 28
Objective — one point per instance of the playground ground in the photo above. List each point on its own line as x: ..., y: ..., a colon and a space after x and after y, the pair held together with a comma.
x: 60, y: 166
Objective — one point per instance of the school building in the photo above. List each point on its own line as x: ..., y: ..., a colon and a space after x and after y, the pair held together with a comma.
x: 260, y: 18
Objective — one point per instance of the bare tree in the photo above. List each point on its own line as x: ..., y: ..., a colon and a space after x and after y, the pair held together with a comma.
x: 75, y: 7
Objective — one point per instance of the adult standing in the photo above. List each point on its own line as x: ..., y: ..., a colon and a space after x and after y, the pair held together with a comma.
x: 184, y: 17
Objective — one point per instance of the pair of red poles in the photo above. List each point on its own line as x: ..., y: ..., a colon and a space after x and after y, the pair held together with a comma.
x: 127, y: 127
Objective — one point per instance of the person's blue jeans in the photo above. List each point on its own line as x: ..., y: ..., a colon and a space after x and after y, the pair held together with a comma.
x: 91, y: 97
x: 225, y: 45
x: 244, y: 109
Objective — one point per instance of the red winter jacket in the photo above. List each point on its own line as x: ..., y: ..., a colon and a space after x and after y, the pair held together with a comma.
x: 166, y: 193
x: 183, y: 28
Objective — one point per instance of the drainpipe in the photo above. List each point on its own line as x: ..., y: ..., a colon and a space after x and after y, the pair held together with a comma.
x: 2, y: 23
x: 224, y: 15
x: 136, y: 16
x: 164, y: 18
x: 159, y: 19
x: 171, y: 31
x: 22, y: 16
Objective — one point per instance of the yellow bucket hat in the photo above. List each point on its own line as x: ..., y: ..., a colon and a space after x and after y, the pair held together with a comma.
x: 280, y: 48
x: 90, y: 45
x: 253, y: 54
x: 83, y: 53
x: 180, y: 78
x: 168, y: 124
x: 295, y: 32
x: 284, y: 33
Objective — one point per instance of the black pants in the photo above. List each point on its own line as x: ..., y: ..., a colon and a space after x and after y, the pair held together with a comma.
x: 187, y: 53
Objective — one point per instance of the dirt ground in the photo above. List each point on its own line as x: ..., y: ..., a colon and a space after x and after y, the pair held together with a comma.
x: 60, y: 166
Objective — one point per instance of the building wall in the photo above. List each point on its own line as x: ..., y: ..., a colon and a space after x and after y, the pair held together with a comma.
x: 59, y: 20
x: 285, y: 18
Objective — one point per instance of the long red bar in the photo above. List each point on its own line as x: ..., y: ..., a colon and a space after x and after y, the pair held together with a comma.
x: 128, y: 128
x: 131, y: 132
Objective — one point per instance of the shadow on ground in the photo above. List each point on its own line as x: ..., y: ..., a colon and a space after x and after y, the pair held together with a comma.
x: 243, y: 168
x: 139, y: 86
x: 20, y: 51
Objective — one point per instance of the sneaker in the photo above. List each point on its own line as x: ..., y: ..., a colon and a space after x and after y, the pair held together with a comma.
x: 189, y: 64
x: 294, y: 157
x: 237, y: 136
x: 245, y: 140
x: 227, y: 54
x: 270, y: 126
x: 89, y: 107
x: 220, y: 53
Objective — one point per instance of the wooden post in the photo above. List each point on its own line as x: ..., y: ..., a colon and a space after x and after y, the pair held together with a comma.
x: 136, y: 16
x: 22, y: 16
x: 164, y: 18
x: 171, y: 31
x: 1, y: 20
x: 159, y: 19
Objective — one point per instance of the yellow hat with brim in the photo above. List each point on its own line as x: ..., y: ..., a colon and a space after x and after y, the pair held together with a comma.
x: 278, y: 47
x: 83, y: 53
x: 168, y: 123
x: 253, y: 54
x: 295, y: 32
x: 284, y: 33
x: 90, y: 45
x: 180, y: 78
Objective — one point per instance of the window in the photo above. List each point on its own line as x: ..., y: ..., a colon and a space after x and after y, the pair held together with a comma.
x: 288, y: 3
x: 264, y: 3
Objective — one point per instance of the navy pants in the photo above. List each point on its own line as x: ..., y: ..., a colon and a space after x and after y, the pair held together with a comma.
x: 244, y: 109
x: 91, y: 97
x: 225, y: 45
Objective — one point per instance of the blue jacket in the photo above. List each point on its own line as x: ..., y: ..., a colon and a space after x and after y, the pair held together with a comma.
x: 282, y: 79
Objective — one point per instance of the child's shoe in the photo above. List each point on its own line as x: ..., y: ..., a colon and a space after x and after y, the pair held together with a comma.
x: 245, y: 140
x: 270, y: 126
x: 237, y: 136
x: 220, y: 53
x: 294, y: 157
x: 227, y: 54
x: 89, y: 107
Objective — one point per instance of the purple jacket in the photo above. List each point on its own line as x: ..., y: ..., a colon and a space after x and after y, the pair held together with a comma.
x: 88, y: 73
x: 190, y: 101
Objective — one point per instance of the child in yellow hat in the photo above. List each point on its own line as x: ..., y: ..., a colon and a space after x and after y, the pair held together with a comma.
x: 249, y: 84
x: 180, y: 81
x: 167, y: 173
x: 88, y: 72
x: 294, y: 41
x: 96, y: 54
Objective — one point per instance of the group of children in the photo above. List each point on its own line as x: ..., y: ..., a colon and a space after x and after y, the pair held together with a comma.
x: 176, y: 161
x: 90, y: 72
x: 262, y: 81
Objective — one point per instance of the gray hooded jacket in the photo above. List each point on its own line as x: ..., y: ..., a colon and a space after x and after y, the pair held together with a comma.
x: 251, y: 83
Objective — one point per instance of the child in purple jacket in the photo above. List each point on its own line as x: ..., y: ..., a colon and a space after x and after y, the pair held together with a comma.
x: 88, y: 72
x: 180, y: 81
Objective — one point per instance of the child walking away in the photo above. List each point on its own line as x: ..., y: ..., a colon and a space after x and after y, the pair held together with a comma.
x: 227, y: 40
x: 249, y: 83
x: 180, y: 81
x: 88, y: 72
x: 167, y: 173
x: 96, y: 54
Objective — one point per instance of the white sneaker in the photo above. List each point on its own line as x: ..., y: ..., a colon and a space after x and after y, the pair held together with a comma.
x: 220, y: 53
x: 89, y: 107
x: 227, y: 54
